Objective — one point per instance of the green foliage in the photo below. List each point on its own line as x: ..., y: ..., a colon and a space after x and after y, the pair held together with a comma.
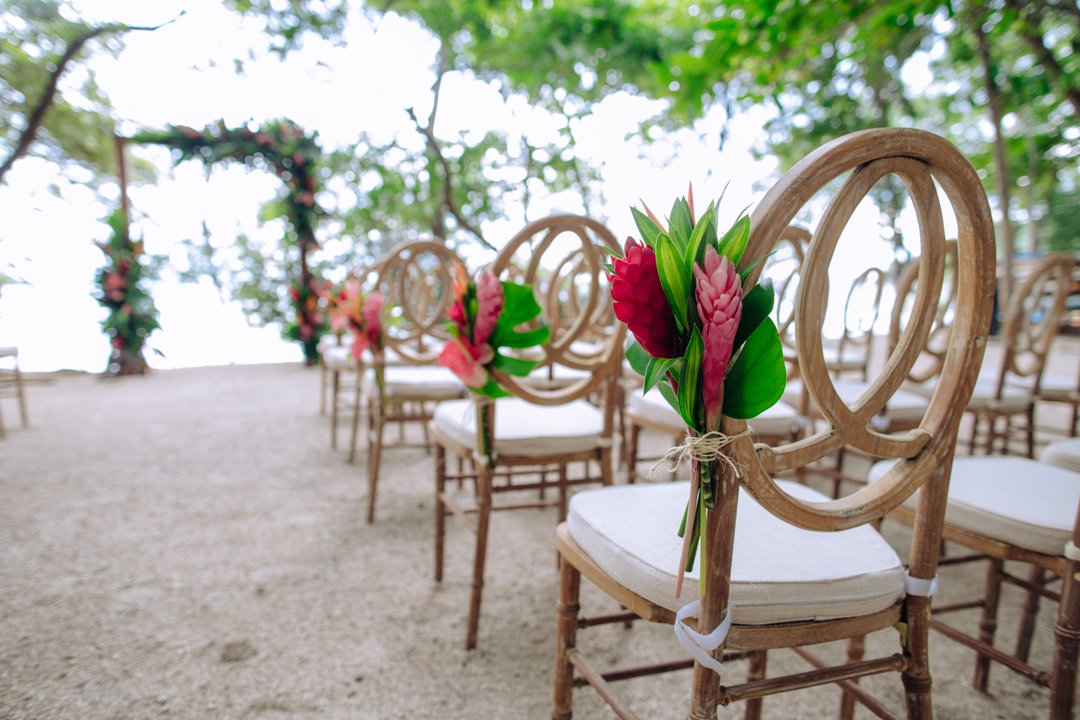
x: 132, y: 315
x: 279, y: 287
x: 79, y: 126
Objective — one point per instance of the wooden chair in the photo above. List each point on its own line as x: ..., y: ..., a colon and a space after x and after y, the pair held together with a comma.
x: 11, y: 384
x: 1064, y: 390
x: 1017, y: 510
x: 416, y: 277
x: 1009, y: 391
x: 854, y: 350
x: 536, y: 434
x: 622, y: 539
x: 784, y: 268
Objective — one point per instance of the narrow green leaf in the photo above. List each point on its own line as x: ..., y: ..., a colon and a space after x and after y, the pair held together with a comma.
x: 638, y: 357
x: 608, y: 251
x: 648, y: 229
x: 746, y: 270
x: 657, y: 371
x: 690, y: 381
x: 756, y: 306
x: 669, y: 395
x: 680, y: 226
x: 758, y: 377
x: 733, y: 244
x: 675, y: 279
x: 492, y: 389
x: 704, y: 234
x: 512, y: 365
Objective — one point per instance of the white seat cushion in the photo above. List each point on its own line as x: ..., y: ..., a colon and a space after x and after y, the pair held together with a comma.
x: 1025, y: 503
x: 1064, y: 454
x: 1013, y: 399
x: 1063, y: 387
x: 429, y: 382
x: 903, y: 408
x: 339, y: 357
x: 9, y: 351
x: 780, y: 420
x: 780, y: 573
x: 524, y: 429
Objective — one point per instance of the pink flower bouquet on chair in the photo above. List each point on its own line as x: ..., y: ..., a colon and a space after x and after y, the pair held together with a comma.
x: 700, y: 335
x: 484, y: 319
x: 362, y: 314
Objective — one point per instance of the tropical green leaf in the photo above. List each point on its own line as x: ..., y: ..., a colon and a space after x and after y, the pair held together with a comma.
x: 680, y: 225
x: 645, y: 225
x: 690, y: 380
x: 638, y: 357
x: 519, y: 305
x: 492, y: 389
x: 512, y: 365
x: 733, y: 244
x: 617, y: 254
x: 746, y: 270
x: 527, y: 339
x: 675, y: 279
x: 758, y: 377
x: 657, y: 370
x: 756, y: 306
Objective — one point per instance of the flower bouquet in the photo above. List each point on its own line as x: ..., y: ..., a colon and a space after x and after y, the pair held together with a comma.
x: 483, y: 321
x: 701, y: 336
x: 363, y: 316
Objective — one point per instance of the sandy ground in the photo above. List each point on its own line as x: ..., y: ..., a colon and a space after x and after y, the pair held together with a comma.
x: 186, y: 545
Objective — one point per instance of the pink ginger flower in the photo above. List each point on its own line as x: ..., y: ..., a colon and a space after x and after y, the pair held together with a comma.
x: 466, y: 361
x: 373, y: 307
x: 719, y: 305
x: 359, y: 345
x: 489, y: 305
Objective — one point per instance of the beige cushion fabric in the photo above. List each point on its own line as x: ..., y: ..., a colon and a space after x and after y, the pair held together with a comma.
x: 1025, y: 503
x: 525, y: 429
x: 780, y: 573
x: 1013, y: 399
x: 339, y: 358
x: 1058, y: 387
x: 428, y: 382
x: 778, y: 421
x: 1064, y: 454
x: 903, y: 408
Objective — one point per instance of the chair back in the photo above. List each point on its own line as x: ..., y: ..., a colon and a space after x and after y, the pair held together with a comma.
x: 784, y: 267
x: 1032, y: 321
x: 862, y: 306
x: 417, y: 279
x: 923, y: 162
x: 559, y: 257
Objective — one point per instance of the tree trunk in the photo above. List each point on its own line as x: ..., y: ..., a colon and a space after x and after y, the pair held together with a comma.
x: 993, y: 97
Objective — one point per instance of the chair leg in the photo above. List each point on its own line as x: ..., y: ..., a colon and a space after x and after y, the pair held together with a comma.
x: 483, y: 521
x: 565, y: 639
x: 562, y: 491
x: 1031, y: 431
x: 375, y: 442
x: 607, y: 466
x: 916, y: 679
x: 756, y: 671
x: 632, y: 452
x: 1075, y: 419
x: 355, y: 430
x: 1037, y: 577
x: 1066, y: 647
x: 973, y: 438
x: 988, y: 622
x: 855, y: 650
x: 335, y: 385
x: 440, y: 509
x: 22, y: 398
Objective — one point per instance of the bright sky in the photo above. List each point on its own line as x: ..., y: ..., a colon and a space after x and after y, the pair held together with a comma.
x: 184, y: 74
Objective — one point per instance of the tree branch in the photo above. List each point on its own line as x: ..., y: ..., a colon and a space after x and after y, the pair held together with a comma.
x: 1031, y: 32
x: 37, y: 115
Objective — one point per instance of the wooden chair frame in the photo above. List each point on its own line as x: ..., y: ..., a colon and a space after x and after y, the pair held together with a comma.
x: 13, y: 377
x: 416, y: 277
x: 570, y: 321
x: 919, y: 159
x: 1025, y: 347
x: 855, y: 335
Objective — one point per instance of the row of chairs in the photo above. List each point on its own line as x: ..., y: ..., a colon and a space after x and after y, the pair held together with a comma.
x: 787, y: 566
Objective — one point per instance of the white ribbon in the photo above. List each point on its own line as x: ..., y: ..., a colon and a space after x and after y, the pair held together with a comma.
x: 1072, y: 552
x: 698, y: 645
x: 920, y: 586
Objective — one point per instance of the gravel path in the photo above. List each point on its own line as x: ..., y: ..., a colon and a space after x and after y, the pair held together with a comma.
x: 186, y: 545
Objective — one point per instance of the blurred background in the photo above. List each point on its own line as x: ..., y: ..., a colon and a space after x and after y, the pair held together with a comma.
x: 465, y: 119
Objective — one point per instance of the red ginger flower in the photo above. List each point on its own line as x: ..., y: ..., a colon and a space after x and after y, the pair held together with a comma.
x: 373, y: 307
x: 719, y: 304
x: 639, y: 301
